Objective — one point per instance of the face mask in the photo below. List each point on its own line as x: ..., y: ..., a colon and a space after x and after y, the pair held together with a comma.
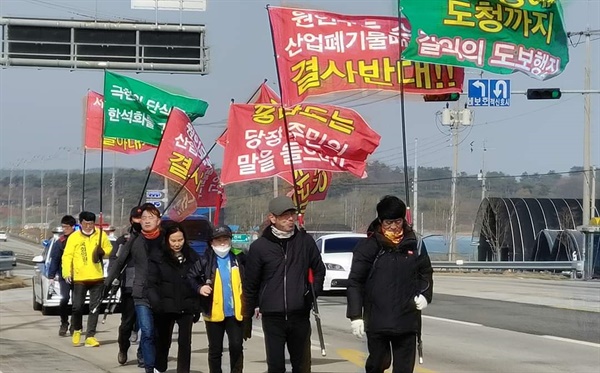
x: 87, y: 233
x: 393, y: 235
x: 137, y: 227
x: 222, y: 251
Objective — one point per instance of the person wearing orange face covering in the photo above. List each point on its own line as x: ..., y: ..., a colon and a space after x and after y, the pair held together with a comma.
x: 390, y: 282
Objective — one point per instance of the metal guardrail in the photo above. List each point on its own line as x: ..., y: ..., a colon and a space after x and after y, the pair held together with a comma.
x: 533, y: 266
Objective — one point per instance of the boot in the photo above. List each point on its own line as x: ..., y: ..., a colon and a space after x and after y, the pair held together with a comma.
x: 62, y: 331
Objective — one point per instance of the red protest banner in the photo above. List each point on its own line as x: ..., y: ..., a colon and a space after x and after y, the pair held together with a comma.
x: 323, y: 52
x: 322, y: 137
x: 181, y: 157
x: 94, y: 119
x: 311, y: 185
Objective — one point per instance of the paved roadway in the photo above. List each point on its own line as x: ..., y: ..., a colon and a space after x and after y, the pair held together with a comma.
x: 475, y: 324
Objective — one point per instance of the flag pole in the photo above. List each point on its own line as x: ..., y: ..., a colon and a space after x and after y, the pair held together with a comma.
x: 101, y: 172
x: 152, y: 164
x: 402, y: 109
x: 208, y: 151
x: 83, y: 180
x: 285, y: 122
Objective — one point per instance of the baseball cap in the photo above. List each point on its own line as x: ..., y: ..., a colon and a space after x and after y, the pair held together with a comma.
x: 221, y: 231
x: 281, y: 204
x: 136, y: 213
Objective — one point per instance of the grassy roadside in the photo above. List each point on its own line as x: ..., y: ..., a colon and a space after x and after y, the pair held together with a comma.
x: 13, y: 282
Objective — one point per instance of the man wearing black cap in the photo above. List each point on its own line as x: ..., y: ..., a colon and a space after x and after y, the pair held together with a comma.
x: 390, y: 282
x: 276, y: 281
x: 126, y: 282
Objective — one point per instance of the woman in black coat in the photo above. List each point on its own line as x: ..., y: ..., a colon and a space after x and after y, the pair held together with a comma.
x: 172, y: 299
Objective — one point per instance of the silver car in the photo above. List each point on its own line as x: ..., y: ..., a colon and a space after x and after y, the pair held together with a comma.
x: 46, y: 297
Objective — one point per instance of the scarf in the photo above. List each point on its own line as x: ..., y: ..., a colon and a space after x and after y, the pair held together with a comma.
x: 281, y: 234
x: 151, y: 235
x: 395, y: 237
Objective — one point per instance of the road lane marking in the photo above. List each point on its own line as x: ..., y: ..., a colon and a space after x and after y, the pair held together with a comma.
x: 358, y: 358
x: 584, y: 343
x: 451, y: 321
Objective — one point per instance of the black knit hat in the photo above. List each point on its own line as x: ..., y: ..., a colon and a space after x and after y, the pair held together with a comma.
x: 136, y: 212
x: 391, y: 207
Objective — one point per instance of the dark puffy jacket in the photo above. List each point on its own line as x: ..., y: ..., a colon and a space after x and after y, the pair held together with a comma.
x: 128, y: 274
x: 139, y: 251
x: 168, y: 288
x: 276, y: 274
x: 383, y: 281
x: 205, y: 269
x: 56, y: 252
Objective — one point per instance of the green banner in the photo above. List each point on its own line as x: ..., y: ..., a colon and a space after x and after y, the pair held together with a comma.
x: 138, y: 111
x: 500, y: 36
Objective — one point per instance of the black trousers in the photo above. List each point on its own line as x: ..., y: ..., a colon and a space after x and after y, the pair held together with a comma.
x: 127, y: 321
x: 80, y: 289
x: 295, y: 332
x: 163, y: 334
x: 215, y: 332
x: 65, y: 296
x: 383, y: 347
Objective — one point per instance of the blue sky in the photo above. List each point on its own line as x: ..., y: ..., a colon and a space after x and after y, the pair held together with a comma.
x: 41, y: 109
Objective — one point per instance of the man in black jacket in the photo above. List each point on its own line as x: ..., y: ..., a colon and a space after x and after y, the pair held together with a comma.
x: 276, y: 281
x: 390, y: 282
x: 125, y: 280
x: 67, y: 224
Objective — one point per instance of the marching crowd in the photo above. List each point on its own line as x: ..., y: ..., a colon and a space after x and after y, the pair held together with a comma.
x: 163, y: 282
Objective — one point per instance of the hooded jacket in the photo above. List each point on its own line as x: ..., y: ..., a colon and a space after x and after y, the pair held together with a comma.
x: 276, y: 274
x: 385, y: 278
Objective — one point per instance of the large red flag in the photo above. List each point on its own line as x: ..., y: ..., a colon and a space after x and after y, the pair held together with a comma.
x: 181, y: 157
x: 322, y: 137
x: 322, y: 52
x: 94, y: 119
x: 311, y: 185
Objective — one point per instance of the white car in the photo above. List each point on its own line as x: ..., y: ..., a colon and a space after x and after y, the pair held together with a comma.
x: 3, y: 236
x: 336, y: 251
x: 46, y: 298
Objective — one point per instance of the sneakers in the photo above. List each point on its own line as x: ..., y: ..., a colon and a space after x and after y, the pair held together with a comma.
x: 122, y: 357
x: 91, y: 342
x: 134, y: 337
x: 62, y: 331
x: 76, y: 337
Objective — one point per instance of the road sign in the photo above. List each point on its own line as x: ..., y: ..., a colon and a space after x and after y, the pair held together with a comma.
x: 241, y: 238
x: 489, y: 92
x: 155, y: 194
x: 499, y: 92
x: 478, y: 93
x: 155, y: 202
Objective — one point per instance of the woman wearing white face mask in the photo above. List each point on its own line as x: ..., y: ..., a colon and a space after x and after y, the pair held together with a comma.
x: 217, y: 277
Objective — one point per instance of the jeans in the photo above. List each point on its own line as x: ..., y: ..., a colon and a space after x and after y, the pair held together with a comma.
x: 164, y: 324
x: 295, y: 332
x: 145, y: 320
x: 215, y: 331
x: 65, y: 296
x: 382, y: 347
x: 79, y: 292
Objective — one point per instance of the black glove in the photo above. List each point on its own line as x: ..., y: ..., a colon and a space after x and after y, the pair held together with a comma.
x: 196, y: 317
x: 247, y: 328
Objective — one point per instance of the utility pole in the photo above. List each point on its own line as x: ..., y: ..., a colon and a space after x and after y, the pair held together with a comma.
x: 276, y: 187
x: 415, y: 211
x: 481, y: 176
x: 455, y: 119
x: 113, y: 181
x: 24, y: 202
x: 588, y: 197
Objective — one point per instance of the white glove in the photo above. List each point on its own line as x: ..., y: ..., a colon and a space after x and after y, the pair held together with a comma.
x: 420, y: 302
x: 358, y: 328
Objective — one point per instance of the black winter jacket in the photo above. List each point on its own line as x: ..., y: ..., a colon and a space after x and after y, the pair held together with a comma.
x: 139, y: 251
x: 168, y: 288
x: 128, y: 274
x: 383, y: 281
x: 205, y: 269
x: 276, y: 276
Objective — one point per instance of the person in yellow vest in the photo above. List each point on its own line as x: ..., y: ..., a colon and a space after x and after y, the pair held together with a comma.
x: 217, y: 277
x: 82, y: 266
